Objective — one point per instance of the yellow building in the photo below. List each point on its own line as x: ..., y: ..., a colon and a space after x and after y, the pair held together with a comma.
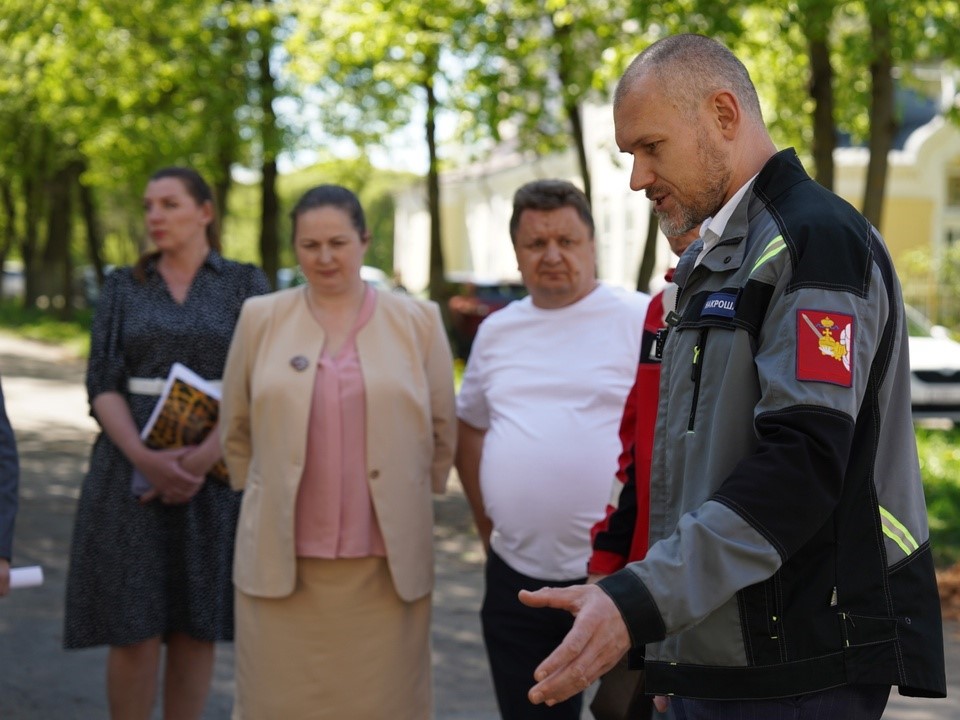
x: 922, y: 204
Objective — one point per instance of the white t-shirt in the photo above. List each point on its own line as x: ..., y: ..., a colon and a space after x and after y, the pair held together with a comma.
x: 549, y: 387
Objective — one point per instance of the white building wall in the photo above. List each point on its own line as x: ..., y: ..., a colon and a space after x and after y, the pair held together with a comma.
x: 411, y: 238
x: 622, y: 215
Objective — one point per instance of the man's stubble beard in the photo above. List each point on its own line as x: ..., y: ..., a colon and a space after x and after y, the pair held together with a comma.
x: 705, y: 202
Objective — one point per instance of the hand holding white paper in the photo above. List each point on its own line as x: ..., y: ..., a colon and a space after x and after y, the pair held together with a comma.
x: 24, y: 577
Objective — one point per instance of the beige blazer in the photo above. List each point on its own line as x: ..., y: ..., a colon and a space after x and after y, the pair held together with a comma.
x: 407, y: 372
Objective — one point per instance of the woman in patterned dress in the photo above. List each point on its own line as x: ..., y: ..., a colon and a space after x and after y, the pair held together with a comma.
x: 338, y: 421
x: 155, y: 569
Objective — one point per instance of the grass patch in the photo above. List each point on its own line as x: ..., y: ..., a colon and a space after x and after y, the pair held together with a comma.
x: 940, y: 467
x: 36, y: 324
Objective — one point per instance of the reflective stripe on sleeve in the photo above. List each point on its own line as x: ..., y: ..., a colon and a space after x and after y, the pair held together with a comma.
x: 897, y: 531
x: 773, y: 248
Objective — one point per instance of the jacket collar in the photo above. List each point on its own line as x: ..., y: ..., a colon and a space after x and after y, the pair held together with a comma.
x: 780, y: 173
x: 213, y: 260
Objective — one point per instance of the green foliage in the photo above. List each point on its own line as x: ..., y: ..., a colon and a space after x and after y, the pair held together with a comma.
x: 773, y: 48
x: 119, y: 89
x: 101, y: 93
x: 532, y: 62
x: 372, y: 185
x: 129, y: 86
x: 379, y: 67
x: 370, y: 65
x: 940, y: 466
x: 932, y: 285
x: 38, y: 325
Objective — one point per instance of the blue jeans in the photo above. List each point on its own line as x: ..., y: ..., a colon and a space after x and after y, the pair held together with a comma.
x: 850, y: 702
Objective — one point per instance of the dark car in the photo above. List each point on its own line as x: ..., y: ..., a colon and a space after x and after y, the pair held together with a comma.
x: 475, y: 300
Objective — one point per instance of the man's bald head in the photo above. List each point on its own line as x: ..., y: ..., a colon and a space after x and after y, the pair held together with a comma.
x: 688, y: 68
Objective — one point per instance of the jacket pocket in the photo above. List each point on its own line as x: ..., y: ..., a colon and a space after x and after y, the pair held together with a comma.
x: 763, y: 625
x: 696, y: 372
x: 707, y: 313
x: 866, y: 629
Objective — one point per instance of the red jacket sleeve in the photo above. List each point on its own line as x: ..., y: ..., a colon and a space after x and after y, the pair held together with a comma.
x: 622, y: 535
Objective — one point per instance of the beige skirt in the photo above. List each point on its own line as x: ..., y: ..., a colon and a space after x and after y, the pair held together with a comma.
x: 343, y: 646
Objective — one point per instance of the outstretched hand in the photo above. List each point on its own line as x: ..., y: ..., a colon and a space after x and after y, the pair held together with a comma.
x: 597, y: 641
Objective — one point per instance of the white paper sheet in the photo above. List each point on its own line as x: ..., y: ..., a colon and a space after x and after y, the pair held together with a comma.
x: 25, y: 577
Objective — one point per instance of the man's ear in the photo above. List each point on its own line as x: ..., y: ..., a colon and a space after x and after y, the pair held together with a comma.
x: 727, y: 111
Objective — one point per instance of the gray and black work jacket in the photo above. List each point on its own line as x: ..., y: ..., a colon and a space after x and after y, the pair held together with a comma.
x: 789, y: 541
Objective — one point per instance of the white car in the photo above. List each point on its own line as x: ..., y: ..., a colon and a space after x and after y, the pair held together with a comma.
x: 934, y: 369
x: 13, y: 281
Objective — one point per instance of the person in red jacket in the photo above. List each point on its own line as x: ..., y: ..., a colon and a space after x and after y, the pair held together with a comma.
x: 621, y: 536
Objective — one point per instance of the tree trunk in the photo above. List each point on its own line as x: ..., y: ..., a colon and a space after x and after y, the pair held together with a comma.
x: 36, y: 152
x: 269, y: 216
x: 9, y: 239
x: 570, y: 105
x: 438, y: 283
x: 270, y: 204
x: 815, y: 17
x: 91, y: 221
x: 57, y: 262
x: 9, y: 213
x: 33, y: 206
x: 824, y: 129
x: 576, y: 131
x: 883, y: 123
x: 649, y: 258
x: 221, y: 189
x: 227, y: 140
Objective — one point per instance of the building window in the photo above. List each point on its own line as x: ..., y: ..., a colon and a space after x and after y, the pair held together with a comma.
x: 953, y: 191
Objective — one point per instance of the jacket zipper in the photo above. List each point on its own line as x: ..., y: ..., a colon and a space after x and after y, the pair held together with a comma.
x: 695, y: 372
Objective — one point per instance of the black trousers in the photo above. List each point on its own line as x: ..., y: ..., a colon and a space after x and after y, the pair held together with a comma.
x: 519, y: 638
x: 850, y: 702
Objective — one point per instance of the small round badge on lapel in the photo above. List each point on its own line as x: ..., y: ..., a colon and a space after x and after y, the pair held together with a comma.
x: 299, y: 363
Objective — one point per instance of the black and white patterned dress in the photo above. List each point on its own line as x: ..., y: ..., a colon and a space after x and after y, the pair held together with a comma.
x: 139, y: 571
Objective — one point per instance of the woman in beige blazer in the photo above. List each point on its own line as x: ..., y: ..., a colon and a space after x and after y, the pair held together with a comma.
x: 337, y: 421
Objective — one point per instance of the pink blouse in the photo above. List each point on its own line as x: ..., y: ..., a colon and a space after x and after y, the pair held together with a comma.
x: 334, y: 513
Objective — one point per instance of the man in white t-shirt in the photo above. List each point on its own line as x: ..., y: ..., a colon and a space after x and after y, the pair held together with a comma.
x: 539, y: 411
